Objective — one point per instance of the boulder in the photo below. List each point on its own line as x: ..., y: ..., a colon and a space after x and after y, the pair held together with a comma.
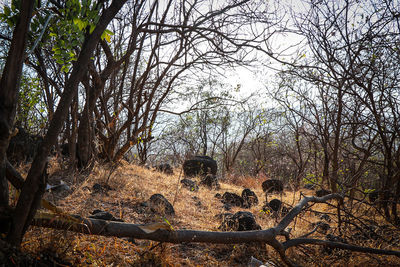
x: 160, y: 205
x: 249, y: 198
x: 189, y: 184
x: 165, y: 168
x: 210, y: 181
x: 23, y: 146
x: 275, y: 204
x: 200, y: 165
x: 373, y: 196
x: 240, y: 221
x: 101, y: 188
x: 272, y: 185
x: 232, y: 199
x: 322, y: 227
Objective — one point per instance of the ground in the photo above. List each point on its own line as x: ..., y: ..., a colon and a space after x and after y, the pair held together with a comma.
x: 131, y: 185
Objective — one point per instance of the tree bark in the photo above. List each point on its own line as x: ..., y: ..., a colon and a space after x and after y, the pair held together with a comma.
x: 31, y: 190
x: 160, y: 234
x: 9, y: 87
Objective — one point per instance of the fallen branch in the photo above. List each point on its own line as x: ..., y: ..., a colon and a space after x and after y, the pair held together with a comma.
x: 160, y: 234
x: 305, y: 241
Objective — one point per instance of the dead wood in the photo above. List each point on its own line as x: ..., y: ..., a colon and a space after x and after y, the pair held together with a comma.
x: 268, y: 236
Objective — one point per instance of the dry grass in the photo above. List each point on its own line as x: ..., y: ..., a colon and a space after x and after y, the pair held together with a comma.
x: 132, y: 185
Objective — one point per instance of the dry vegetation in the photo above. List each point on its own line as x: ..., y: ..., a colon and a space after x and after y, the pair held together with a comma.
x: 132, y: 185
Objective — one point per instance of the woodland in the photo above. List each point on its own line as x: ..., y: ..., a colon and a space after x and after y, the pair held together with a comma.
x: 98, y: 97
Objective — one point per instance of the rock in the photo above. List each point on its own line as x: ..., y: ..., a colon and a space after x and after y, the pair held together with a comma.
x: 218, y: 195
x: 189, y: 184
x: 322, y: 192
x: 210, y: 181
x: 272, y: 185
x: 197, y: 202
x: 240, y: 221
x: 322, y: 227
x: 200, y: 165
x: 159, y: 204
x: 249, y: 198
x: 373, y: 196
x: 227, y: 207
x: 23, y: 146
x: 232, y: 199
x: 325, y: 217
x: 165, y: 168
x: 275, y: 204
x: 101, y: 188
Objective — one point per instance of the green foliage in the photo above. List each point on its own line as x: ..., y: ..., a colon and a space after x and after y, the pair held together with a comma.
x: 369, y: 191
x: 311, y: 178
x: 67, y: 30
x: 31, y: 109
x: 67, y: 33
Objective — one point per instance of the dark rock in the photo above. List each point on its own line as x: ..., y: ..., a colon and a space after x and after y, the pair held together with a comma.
x: 275, y: 204
x: 189, y: 184
x: 227, y: 207
x: 240, y: 221
x: 249, y: 198
x: 64, y: 148
x: 322, y: 192
x: 197, y: 202
x: 159, y: 204
x: 210, y: 181
x: 23, y: 146
x: 101, y: 188
x: 325, y: 217
x: 165, y: 168
x: 200, y: 165
x: 103, y: 215
x: 272, y: 185
x: 373, y: 196
x: 218, y: 195
x: 322, y: 227
x: 232, y: 199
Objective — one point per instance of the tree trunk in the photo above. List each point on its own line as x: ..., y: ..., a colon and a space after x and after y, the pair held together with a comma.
x: 9, y: 87
x: 26, y: 206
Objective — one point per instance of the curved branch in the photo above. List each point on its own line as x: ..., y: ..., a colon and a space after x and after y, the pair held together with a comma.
x: 303, y: 241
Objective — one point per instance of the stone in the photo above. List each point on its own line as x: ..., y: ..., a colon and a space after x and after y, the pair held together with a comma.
x: 272, y: 185
x: 249, y: 198
x: 189, y: 184
x: 210, y: 181
x: 240, y: 221
x: 160, y: 205
x: 199, y: 165
x: 275, y: 204
x: 165, y: 168
x: 232, y: 199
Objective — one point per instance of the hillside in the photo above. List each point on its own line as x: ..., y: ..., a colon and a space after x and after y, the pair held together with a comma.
x: 131, y: 185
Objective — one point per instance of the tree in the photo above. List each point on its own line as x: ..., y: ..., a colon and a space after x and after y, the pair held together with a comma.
x: 35, y: 182
x: 350, y: 62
